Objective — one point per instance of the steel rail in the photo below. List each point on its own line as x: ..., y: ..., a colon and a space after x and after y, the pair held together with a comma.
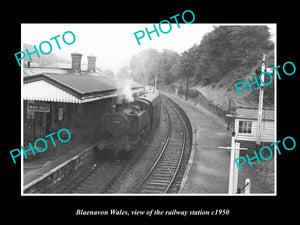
x: 160, y: 155
x: 182, y: 149
x: 161, y: 158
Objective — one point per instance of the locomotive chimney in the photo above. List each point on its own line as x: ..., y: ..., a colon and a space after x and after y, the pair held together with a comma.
x: 119, y: 107
x: 122, y: 103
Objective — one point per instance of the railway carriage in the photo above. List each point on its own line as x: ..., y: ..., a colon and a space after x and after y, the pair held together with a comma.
x: 124, y: 129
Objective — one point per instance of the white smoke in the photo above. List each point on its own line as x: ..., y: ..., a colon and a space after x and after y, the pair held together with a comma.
x: 124, y: 86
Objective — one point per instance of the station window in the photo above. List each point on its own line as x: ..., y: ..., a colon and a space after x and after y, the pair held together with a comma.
x: 245, y: 127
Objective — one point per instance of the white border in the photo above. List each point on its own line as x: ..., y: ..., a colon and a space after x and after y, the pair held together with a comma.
x: 183, y: 194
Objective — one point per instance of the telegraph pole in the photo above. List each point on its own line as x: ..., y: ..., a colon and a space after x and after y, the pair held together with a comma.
x: 233, y: 170
x: 187, y: 85
x: 260, y: 103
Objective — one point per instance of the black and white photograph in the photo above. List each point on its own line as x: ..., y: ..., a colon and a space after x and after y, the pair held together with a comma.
x: 144, y: 109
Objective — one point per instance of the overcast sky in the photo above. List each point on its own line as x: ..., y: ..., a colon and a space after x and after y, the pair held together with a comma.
x: 114, y: 44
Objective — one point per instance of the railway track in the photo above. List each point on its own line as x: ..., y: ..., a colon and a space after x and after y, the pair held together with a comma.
x: 167, y: 171
x: 158, y: 169
x: 101, y: 179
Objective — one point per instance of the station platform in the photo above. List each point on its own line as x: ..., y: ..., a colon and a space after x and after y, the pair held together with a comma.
x: 83, y: 137
x: 208, y: 170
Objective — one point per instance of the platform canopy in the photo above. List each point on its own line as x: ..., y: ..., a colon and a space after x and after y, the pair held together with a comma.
x: 70, y: 88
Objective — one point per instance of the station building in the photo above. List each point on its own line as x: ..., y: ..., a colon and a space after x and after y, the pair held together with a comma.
x: 55, y: 98
x: 244, y: 123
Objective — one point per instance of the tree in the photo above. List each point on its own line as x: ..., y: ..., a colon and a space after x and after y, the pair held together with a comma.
x: 229, y: 52
x: 150, y: 63
x: 227, y: 49
x: 123, y: 72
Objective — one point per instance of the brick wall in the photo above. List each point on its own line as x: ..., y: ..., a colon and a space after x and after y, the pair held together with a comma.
x: 48, y: 182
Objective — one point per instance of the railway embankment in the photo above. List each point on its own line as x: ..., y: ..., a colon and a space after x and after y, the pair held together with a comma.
x: 197, y: 98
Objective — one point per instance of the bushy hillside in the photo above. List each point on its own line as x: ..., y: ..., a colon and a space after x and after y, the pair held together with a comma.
x: 225, y: 56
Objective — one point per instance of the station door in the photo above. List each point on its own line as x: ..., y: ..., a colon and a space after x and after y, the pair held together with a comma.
x: 40, y: 125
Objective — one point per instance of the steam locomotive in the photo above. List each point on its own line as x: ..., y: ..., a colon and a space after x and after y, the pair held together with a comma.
x: 126, y: 127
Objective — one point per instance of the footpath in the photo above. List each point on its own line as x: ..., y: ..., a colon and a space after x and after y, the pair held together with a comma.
x: 209, y: 169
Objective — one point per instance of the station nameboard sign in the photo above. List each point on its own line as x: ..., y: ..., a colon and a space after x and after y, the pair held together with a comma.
x: 38, y: 107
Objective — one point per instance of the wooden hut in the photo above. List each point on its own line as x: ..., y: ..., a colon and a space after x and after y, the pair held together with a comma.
x: 244, y: 123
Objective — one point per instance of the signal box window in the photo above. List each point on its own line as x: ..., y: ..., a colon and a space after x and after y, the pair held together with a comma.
x: 245, y: 127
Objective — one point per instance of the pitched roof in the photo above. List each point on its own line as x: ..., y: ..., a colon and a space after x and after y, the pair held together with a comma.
x: 85, y: 84
x: 79, y: 86
x: 252, y: 113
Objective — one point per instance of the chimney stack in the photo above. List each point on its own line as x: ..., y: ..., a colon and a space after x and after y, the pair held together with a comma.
x: 76, y: 61
x: 91, y: 64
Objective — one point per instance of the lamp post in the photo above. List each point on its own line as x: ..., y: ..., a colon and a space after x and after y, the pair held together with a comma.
x: 260, y: 104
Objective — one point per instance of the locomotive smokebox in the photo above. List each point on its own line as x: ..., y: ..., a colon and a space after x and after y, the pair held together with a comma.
x: 117, y: 123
